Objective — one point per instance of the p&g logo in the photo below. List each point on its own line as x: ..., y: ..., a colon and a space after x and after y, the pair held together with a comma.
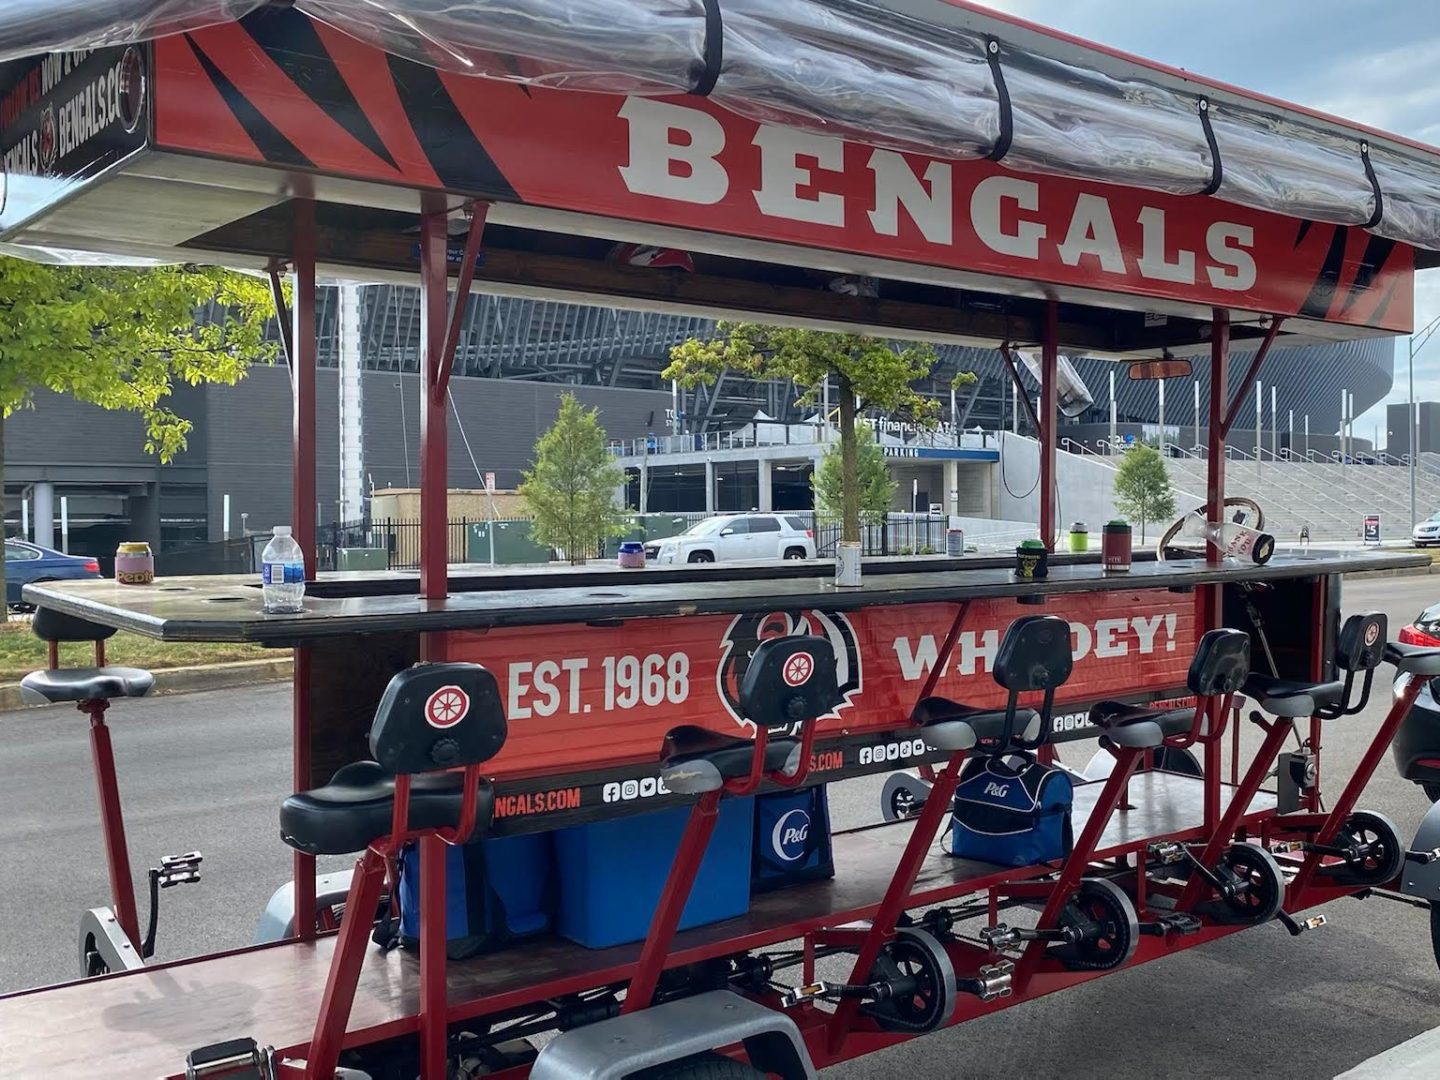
x: 792, y: 831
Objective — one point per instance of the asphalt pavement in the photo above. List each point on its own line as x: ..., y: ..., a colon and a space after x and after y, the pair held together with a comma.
x: 207, y: 771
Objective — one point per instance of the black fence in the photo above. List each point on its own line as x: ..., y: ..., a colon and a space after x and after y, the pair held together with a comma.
x: 897, y: 534
x: 400, y: 540
x: 237, y: 556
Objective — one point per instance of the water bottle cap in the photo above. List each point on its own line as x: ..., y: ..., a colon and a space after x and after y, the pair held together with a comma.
x: 282, y: 530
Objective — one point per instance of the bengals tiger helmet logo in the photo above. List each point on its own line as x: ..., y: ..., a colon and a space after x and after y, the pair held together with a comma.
x: 49, y: 140
x: 746, y: 632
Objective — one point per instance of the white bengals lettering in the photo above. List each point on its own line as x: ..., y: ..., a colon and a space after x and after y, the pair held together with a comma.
x: 675, y: 154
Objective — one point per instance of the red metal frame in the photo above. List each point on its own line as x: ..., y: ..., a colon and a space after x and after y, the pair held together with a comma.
x: 112, y: 822
x: 301, y: 349
x: 1049, y: 396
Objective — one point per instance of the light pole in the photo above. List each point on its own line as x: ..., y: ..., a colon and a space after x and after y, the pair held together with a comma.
x: 1412, y: 417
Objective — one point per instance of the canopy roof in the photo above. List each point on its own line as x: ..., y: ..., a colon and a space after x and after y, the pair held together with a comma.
x: 938, y: 77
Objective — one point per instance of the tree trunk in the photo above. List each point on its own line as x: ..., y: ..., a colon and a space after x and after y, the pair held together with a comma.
x: 4, y: 604
x: 849, y: 465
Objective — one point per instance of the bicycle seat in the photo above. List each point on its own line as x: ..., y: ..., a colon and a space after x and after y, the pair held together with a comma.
x: 951, y: 726
x: 433, y: 720
x: 357, y: 807
x: 1140, y: 726
x: 1293, y: 698
x: 788, y: 682
x: 1034, y: 655
x: 84, y: 684
x: 1413, y: 659
x: 697, y: 760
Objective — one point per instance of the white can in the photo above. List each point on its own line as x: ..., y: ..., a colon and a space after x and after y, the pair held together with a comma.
x: 847, y: 564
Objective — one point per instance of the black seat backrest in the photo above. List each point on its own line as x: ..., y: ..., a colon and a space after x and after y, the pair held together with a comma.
x: 1034, y: 655
x: 51, y: 625
x: 438, y: 716
x: 1360, y: 649
x: 1221, y: 664
x: 789, y: 680
x: 1362, y: 642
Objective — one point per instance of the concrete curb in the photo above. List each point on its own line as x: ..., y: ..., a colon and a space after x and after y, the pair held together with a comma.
x: 187, y: 680
x: 1404, y: 571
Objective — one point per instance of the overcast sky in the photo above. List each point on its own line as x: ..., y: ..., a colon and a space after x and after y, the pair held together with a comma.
x: 1374, y: 61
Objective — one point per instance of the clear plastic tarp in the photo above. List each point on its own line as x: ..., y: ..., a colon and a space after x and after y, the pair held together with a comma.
x: 845, y: 68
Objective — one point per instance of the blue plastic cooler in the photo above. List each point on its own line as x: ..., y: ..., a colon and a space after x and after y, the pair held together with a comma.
x: 612, y: 872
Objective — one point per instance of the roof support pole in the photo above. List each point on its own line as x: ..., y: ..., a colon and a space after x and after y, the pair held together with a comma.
x: 1049, y: 397
x: 301, y: 351
x: 434, y: 481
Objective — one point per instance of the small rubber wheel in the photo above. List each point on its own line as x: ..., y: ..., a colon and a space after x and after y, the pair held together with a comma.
x: 1107, y: 923
x: 700, y: 556
x: 700, y: 1067
x: 1258, y: 884
x: 1385, y: 854
x: 903, y: 796
x: 1431, y: 789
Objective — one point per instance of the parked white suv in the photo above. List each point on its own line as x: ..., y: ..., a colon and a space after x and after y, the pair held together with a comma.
x: 737, y: 536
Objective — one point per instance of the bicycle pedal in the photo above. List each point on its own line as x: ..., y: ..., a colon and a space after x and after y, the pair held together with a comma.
x: 1287, y: 847
x: 999, y: 936
x: 179, y: 869
x: 1315, y: 922
x: 238, y: 1059
x: 1166, y: 852
x: 1424, y: 858
x: 808, y: 992
x: 995, y: 980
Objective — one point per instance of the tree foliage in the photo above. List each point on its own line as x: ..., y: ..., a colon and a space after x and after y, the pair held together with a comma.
x: 868, y: 373
x: 570, y: 491
x: 1142, y: 487
x: 872, y: 478
x: 120, y: 338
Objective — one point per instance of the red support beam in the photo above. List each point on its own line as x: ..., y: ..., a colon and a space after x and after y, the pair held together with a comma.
x: 1251, y: 374
x: 433, y: 1003
x: 1215, y: 442
x: 302, y: 350
x: 1049, y: 400
x: 434, y: 480
x: 445, y: 360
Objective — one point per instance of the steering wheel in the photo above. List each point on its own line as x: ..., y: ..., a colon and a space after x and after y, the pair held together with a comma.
x: 1249, y: 507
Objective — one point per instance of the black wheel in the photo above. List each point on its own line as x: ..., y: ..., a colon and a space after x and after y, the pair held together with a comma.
x: 700, y: 1067
x: 1255, y: 887
x: 1435, y: 930
x: 921, y: 978
x: 1108, y: 928
x: 903, y: 796
x: 1178, y: 760
x: 700, y: 556
x: 1384, y: 853
x: 1431, y: 789
x: 93, y: 963
x: 795, y: 554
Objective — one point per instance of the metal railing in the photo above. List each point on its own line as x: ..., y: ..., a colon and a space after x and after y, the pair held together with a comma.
x: 798, y: 435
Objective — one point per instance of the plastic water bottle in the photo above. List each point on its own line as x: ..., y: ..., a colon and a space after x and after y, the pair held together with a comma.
x: 282, y: 574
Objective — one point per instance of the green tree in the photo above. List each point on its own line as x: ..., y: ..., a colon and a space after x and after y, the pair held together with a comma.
x: 872, y: 477
x: 868, y: 373
x: 570, y: 492
x: 121, y: 338
x: 1142, y: 487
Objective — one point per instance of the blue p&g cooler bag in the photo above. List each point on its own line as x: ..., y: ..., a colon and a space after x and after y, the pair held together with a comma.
x: 496, y: 891
x: 1013, y: 811
x: 792, y: 839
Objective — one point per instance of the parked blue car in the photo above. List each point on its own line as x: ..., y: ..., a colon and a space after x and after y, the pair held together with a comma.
x: 25, y: 562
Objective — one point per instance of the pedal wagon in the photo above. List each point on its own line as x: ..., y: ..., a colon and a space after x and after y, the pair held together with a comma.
x: 588, y: 769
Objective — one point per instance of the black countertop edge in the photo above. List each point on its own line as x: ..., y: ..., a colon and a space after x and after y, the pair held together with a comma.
x: 462, y: 612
